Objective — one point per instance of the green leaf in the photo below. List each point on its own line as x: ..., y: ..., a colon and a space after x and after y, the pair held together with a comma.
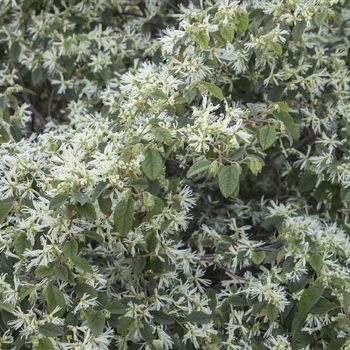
x: 161, y: 317
x: 61, y: 272
x: 50, y: 330
x: 316, y: 262
x: 54, y: 297
x: 5, y: 209
x: 153, y: 163
x: 101, y: 186
x: 228, y: 33
x: 80, y: 197
x: 87, y: 211
x: 189, y: 94
x: 105, y: 205
x: 298, y: 30
x: 36, y: 76
x: 309, y: 298
x: 146, y: 332
x: 58, y: 200
x: 162, y: 135
x: 44, y: 344
x: 202, y: 39
x: 242, y: 21
x: 115, y: 307
x: 307, y: 183
x: 288, y: 122
x: 258, y: 257
x: 320, y: 18
x: 7, y: 307
x: 96, y: 322
x: 93, y: 235
x: 140, y: 183
x: 214, y: 90
x: 199, y: 317
x: 82, y: 288
x: 198, y: 167
x: 15, y: 51
x: 70, y: 249
x: 228, y: 179
x: 16, y: 132
x: 25, y: 291
x: 323, y: 306
x: 151, y: 241
x: 125, y: 323
x: 276, y: 48
x: 159, y: 95
x: 21, y: 244
x: 272, y: 312
x: 336, y: 344
x: 43, y: 271
x: 82, y: 264
x: 124, y: 216
x: 267, y: 136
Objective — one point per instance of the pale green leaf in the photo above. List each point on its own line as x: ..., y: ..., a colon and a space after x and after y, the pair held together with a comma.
x: 316, y: 262
x: 21, y: 243
x: 288, y: 122
x: 227, y: 32
x: 5, y: 209
x: 82, y: 264
x: 258, y: 257
x: 80, y: 197
x: 202, y: 39
x: 44, y: 344
x: 242, y: 21
x: 320, y: 18
x: 43, y: 271
x: 276, y: 47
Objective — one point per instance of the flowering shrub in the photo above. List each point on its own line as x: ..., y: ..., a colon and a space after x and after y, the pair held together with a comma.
x: 174, y: 175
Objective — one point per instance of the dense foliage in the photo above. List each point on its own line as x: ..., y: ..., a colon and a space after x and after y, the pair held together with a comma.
x: 174, y: 174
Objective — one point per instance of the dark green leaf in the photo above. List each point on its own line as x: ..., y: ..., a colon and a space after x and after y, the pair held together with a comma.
x: 57, y: 201
x: 16, y: 132
x: 288, y: 122
x: 44, y: 344
x: 15, y: 51
x: 7, y: 307
x: 125, y: 324
x: 159, y: 95
x: 50, y: 330
x: 61, y: 272
x: 214, y: 90
x: 267, y: 136
x: 70, y: 249
x: 115, y: 307
x: 228, y: 179
x: 82, y: 264
x: 21, y: 244
x: 96, y: 322
x: 54, y: 297
x: 93, y: 235
x: 316, y: 262
x: 82, y: 288
x: 189, y: 94
x: 320, y: 18
x: 199, y: 317
x: 336, y: 344
x: 309, y: 298
x: 124, y: 216
x: 43, y: 271
x: 87, y: 211
x: 161, y: 317
x: 151, y: 241
x: 5, y: 209
x: 162, y: 135
x: 298, y: 30
x: 272, y: 312
x: 153, y: 163
x: 198, y: 167
x: 146, y: 332
x: 80, y: 197
x: 101, y: 186
x: 36, y: 76
x: 307, y: 182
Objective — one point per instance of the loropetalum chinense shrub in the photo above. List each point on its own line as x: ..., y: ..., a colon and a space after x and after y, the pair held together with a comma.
x: 174, y: 174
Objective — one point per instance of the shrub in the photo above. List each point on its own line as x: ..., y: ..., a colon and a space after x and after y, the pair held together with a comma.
x: 174, y: 175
